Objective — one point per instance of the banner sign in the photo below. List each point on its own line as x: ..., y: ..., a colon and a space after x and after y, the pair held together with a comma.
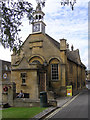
x: 69, y: 90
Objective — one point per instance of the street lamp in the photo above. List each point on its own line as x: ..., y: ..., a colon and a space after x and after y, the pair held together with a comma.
x: 68, y: 2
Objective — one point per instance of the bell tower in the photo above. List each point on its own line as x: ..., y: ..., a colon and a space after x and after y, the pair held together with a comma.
x: 38, y: 25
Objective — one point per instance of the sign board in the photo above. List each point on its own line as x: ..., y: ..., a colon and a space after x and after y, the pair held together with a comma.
x: 4, y: 75
x: 69, y: 90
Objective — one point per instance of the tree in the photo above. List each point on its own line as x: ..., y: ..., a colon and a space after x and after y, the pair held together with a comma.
x: 11, y: 14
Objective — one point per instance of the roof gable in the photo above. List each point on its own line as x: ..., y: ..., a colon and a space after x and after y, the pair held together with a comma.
x: 57, y: 44
x: 74, y: 56
x: 23, y: 64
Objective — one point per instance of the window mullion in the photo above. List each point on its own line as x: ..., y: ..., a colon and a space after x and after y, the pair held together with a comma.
x: 54, y: 72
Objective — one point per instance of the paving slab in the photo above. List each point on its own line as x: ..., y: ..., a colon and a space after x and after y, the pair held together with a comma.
x: 61, y: 101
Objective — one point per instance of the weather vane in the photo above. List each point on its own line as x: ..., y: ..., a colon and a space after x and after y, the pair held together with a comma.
x: 68, y: 2
x: 41, y: 2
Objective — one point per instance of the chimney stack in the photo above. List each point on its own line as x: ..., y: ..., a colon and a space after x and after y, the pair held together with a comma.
x: 63, y: 45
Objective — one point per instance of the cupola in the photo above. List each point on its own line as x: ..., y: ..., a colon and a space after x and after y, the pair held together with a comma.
x: 38, y: 24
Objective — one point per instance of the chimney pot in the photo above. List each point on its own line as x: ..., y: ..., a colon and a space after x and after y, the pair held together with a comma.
x: 72, y: 48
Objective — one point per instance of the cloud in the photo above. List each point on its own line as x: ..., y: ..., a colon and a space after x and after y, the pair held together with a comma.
x: 5, y: 54
x: 72, y: 25
x: 62, y: 22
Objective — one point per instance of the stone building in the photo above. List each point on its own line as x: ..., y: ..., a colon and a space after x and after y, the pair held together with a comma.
x: 5, y: 78
x: 5, y: 71
x: 45, y: 64
x: 88, y: 75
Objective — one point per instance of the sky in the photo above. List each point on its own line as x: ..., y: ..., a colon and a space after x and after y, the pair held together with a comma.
x: 61, y: 22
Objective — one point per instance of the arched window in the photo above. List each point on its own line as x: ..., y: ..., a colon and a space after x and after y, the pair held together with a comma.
x: 36, y: 59
x: 54, y: 72
x: 36, y: 62
x: 54, y: 66
x: 40, y: 17
x: 36, y: 17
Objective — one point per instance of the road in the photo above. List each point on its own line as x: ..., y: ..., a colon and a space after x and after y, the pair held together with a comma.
x: 77, y: 108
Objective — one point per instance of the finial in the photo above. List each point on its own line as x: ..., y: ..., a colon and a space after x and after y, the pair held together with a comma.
x: 39, y: 3
x: 38, y: 8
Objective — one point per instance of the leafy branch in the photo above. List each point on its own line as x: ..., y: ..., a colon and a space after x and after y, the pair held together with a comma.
x: 11, y: 14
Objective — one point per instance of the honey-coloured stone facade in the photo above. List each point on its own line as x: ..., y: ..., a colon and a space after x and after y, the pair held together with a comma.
x: 45, y: 64
x: 37, y: 55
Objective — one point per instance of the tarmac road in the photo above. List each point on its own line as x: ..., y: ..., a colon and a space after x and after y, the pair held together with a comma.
x: 77, y: 108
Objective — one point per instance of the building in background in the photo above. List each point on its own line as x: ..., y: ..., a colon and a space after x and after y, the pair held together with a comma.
x: 5, y: 71
x: 5, y: 78
x: 87, y: 75
x: 45, y: 64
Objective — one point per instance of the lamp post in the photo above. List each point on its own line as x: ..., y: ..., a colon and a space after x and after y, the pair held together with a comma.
x: 68, y: 2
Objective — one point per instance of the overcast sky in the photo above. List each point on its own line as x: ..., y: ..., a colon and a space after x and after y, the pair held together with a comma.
x: 61, y: 22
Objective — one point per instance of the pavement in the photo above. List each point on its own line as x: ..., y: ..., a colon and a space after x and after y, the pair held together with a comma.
x: 60, y: 102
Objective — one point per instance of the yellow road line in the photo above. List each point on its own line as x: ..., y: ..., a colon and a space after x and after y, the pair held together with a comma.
x: 56, y: 111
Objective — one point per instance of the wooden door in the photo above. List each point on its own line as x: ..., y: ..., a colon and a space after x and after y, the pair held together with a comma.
x: 42, y: 80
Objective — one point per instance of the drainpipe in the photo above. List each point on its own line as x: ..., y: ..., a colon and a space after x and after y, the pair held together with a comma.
x: 77, y: 77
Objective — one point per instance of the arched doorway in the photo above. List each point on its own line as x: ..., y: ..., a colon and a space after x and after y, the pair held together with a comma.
x: 41, y: 73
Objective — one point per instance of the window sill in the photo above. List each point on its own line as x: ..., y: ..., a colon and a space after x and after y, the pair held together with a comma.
x: 5, y: 93
x: 54, y: 80
x: 24, y: 84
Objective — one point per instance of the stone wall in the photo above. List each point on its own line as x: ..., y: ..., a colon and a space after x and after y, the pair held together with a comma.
x: 44, y: 49
x: 9, y: 95
x: 75, y: 75
x: 31, y: 85
x: 36, y: 47
x: 0, y: 92
x: 0, y: 81
x: 24, y: 102
x: 0, y: 70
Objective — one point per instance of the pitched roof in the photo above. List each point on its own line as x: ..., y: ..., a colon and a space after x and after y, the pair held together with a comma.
x: 71, y: 55
x: 74, y: 56
x: 57, y: 44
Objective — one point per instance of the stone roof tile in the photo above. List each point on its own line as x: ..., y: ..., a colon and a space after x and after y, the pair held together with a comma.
x: 74, y: 56
x: 71, y: 55
x: 57, y: 44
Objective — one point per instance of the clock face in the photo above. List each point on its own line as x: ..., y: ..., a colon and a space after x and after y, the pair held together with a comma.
x: 36, y: 28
